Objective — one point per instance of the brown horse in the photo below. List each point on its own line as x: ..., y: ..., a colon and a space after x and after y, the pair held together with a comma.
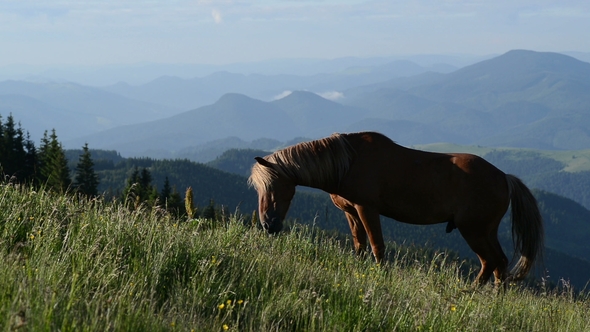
x: 368, y: 175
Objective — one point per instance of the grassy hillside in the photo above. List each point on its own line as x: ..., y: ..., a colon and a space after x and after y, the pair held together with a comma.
x: 572, y: 160
x: 70, y: 264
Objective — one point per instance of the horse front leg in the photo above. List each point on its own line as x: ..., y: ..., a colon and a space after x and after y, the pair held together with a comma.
x: 370, y: 219
x: 359, y: 234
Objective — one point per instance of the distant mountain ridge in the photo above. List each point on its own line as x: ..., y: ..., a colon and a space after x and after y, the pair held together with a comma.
x: 200, y: 91
x: 519, y: 99
x: 232, y: 115
x: 61, y: 103
x: 522, y: 98
x: 73, y: 110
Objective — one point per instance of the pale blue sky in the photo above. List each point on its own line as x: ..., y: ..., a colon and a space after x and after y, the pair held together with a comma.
x: 218, y: 32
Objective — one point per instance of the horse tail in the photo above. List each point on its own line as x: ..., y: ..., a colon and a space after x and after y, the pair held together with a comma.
x: 527, y: 227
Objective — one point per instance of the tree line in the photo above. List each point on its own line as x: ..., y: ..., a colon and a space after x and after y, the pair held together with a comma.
x: 22, y: 162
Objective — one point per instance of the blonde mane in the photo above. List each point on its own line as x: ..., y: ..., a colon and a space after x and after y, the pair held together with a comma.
x: 321, y: 163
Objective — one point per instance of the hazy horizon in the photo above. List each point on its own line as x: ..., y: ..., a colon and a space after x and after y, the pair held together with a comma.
x: 58, y: 33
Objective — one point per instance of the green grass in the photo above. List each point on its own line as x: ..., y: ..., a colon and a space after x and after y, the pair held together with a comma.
x: 75, y: 265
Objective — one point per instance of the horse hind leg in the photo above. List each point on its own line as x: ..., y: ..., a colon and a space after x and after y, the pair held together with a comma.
x: 501, y: 271
x: 488, y: 250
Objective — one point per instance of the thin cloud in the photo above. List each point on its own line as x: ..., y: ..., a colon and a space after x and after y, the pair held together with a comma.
x: 331, y: 95
x: 216, y: 16
x: 282, y: 95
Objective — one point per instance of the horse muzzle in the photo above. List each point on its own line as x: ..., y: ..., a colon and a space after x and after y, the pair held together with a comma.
x: 272, y: 227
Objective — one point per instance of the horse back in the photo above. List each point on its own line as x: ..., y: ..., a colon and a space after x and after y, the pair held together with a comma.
x: 422, y: 187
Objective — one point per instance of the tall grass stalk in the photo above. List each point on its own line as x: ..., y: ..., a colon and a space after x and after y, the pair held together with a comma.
x: 73, y: 264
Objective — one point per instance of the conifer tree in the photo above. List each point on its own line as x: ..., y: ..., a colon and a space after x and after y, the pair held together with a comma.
x: 152, y: 195
x: 86, y: 180
x: 132, y: 186
x: 2, y: 149
x: 145, y: 182
x: 170, y: 199
x: 175, y: 203
x: 12, y: 156
x: 139, y: 187
x: 32, y: 165
x: 54, y: 165
x: 165, y: 193
x: 209, y: 212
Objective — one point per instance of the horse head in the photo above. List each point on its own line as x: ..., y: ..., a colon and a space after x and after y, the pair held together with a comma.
x: 274, y: 198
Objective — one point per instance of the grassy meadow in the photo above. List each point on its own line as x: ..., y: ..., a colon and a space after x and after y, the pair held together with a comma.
x: 71, y: 264
x: 573, y: 160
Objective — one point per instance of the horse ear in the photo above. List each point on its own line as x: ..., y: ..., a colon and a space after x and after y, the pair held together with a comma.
x: 263, y: 162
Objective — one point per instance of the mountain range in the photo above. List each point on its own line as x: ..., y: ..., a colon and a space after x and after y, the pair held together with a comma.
x: 522, y: 98
x: 72, y: 109
x: 234, y: 115
x: 44, y: 104
x: 200, y: 91
x: 519, y: 99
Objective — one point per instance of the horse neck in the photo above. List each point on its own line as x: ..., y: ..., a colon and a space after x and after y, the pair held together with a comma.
x: 326, y: 181
x: 327, y: 187
x: 318, y: 164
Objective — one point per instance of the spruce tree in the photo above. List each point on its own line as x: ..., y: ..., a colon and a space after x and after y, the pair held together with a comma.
x: 166, y: 191
x: 2, y: 149
x: 32, y: 165
x: 131, y: 188
x: 139, y: 187
x: 145, y: 182
x: 175, y: 203
x: 13, y: 155
x: 86, y: 180
x: 209, y: 212
x: 41, y: 154
x: 54, y: 165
